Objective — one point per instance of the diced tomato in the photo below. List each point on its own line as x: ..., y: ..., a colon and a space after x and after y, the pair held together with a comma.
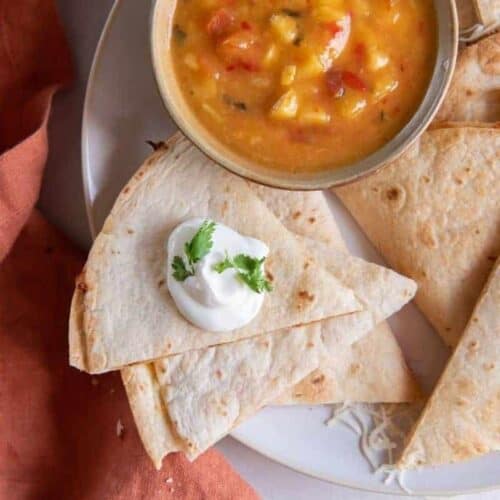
x: 249, y: 66
x: 245, y: 25
x: 220, y: 22
x: 334, y: 83
x: 240, y: 50
x: 333, y: 28
x: 296, y: 134
x: 360, y: 52
x: 354, y: 81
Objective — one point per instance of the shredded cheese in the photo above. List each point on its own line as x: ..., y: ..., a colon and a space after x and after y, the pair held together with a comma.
x: 381, y: 429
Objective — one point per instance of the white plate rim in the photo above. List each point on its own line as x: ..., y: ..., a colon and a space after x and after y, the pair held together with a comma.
x: 266, y: 452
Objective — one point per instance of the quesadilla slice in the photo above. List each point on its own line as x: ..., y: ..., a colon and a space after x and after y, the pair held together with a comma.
x: 188, y: 402
x: 474, y: 94
x: 122, y: 312
x: 199, y: 372
x: 488, y: 11
x: 370, y: 370
x: 461, y: 419
x: 434, y: 214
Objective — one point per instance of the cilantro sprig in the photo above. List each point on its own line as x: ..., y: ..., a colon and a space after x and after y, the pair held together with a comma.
x: 195, y: 250
x: 249, y: 270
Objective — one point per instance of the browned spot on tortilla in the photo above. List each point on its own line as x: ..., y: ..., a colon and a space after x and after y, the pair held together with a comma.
x: 130, y: 231
x: 296, y: 215
x: 475, y: 319
x: 448, y: 329
x: 82, y: 286
x: 375, y: 189
x: 310, y: 344
x: 469, y: 92
x: 306, y: 264
x: 489, y: 366
x: 477, y: 231
x: 161, y: 283
x: 354, y: 368
x: 473, y: 345
x: 305, y: 295
x: 312, y: 220
x: 126, y: 190
x: 392, y: 194
x: 218, y: 373
x: 426, y: 179
x: 225, y: 206
x: 318, y: 380
x: 269, y: 275
x: 427, y: 236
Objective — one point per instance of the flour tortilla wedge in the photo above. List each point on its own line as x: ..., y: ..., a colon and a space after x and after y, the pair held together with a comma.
x: 122, y: 312
x: 372, y: 369
x: 474, y: 94
x: 462, y: 417
x: 488, y: 11
x: 187, y: 402
x: 434, y: 214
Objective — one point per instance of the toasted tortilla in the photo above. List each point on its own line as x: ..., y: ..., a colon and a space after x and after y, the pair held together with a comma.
x: 122, y: 312
x: 461, y: 419
x: 370, y: 370
x: 383, y: 290
x: 187, y: 402
x: 488, y: 11
x: 434, y: 214
x: 474, y: 94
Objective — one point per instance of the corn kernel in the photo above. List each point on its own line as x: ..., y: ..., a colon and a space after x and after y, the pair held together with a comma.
x: 314, y: 117
x: 351, y: 105
x: 384, y: 85
x: 286, y: 106
x: 271, y: 55
x: 311, y: 67
x: 376, y: 59
x: 191, y: 61
x: 288, y: 75
x: 285, y: 27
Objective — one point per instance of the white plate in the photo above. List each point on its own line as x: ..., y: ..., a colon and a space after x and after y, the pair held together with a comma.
x: 123, y: 111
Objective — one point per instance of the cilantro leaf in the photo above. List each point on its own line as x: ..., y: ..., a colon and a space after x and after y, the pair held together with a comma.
x: 221, y: 266
x: 249, y: 271
x: 257, y: 283
x: 201, y: 243
x: 180, y: 272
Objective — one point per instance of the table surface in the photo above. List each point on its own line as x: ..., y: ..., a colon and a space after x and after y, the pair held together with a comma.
x: 62, y: 201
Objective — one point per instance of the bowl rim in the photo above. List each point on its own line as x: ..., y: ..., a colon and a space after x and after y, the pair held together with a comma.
x: 440, y: 80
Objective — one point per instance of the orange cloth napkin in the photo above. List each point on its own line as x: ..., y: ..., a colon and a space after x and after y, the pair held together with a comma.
x: 63, y: 434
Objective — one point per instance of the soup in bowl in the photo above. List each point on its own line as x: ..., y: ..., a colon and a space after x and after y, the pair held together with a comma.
x: 303, y: 94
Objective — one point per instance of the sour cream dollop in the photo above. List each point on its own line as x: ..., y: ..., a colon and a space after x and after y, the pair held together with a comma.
x: 217, y: 302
